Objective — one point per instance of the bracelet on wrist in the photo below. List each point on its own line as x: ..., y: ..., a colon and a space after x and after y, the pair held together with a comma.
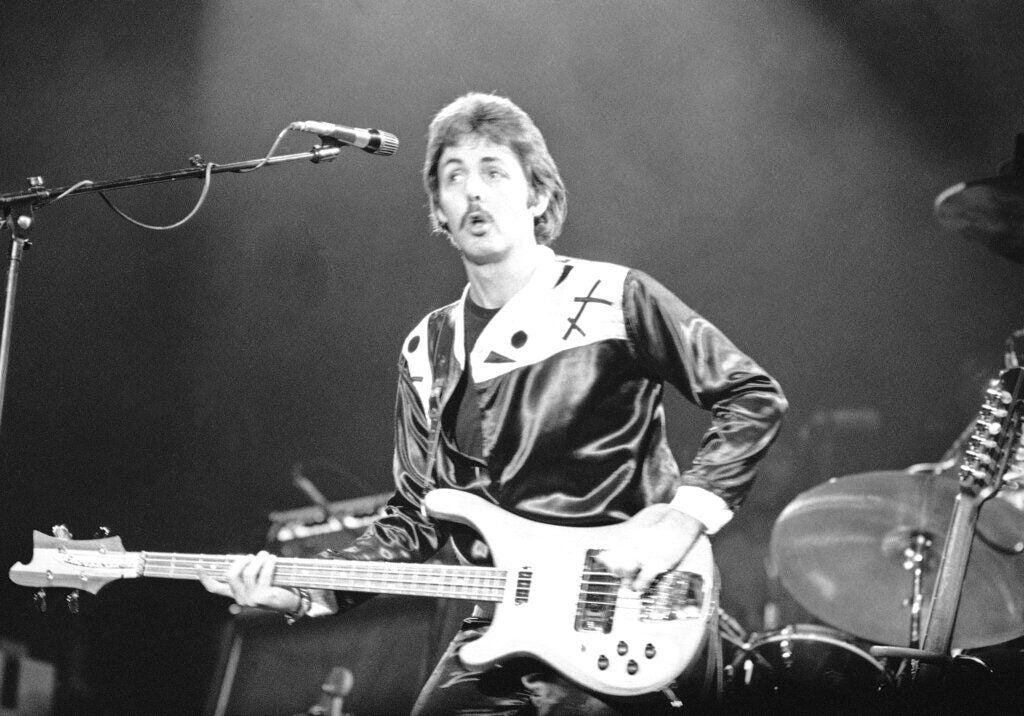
x: 305, y: 602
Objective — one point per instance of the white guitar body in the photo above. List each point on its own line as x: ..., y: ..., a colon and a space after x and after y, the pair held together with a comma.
x: 642, y: 651
x: 551, y: 599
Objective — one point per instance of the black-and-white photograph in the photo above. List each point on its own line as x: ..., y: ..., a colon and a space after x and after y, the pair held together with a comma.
x: 436, y: 357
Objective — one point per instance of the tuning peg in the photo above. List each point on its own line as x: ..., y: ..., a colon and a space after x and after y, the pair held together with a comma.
x: 39, y: 598
x: 61, y: 532
x: 1003, y: 396
x: 72, y: 600
x: 995, y: 411
x: 979, y: 457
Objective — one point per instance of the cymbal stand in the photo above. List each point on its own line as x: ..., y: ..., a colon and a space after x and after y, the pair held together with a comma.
x: 916, y: 556
x: 915, y: 560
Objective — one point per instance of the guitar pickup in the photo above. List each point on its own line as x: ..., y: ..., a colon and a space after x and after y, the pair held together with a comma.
x: 675, y: 595
x: 599, y: 589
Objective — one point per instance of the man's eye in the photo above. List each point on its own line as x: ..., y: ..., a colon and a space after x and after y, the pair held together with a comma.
x: 453, y: 177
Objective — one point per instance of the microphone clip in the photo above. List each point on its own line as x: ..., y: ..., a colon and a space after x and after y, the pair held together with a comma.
x: 326, y: 152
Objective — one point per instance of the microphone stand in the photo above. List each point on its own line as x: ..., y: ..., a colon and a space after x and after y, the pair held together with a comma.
x: 19, y: 217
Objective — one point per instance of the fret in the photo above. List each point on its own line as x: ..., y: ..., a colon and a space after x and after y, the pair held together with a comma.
x: 452, y: 581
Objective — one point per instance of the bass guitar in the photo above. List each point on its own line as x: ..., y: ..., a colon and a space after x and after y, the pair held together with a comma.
x: 552, y: 599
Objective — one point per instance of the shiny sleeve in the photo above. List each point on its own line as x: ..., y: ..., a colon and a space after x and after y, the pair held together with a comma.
x: 403, y: 533
x: 677, y: 345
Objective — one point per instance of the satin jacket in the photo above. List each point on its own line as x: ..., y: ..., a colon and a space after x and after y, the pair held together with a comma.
x: 569, y: 376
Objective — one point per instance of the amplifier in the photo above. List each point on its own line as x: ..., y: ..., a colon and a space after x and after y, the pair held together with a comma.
x: 307, y: 531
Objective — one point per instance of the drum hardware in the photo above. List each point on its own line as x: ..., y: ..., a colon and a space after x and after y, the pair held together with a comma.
x: 991, y: 210
x: 841, y: 550
x: 916, y: 555
x: 865, y: 530
x: 336, y: 687
x: 806, y: 668
x: 731, y: 630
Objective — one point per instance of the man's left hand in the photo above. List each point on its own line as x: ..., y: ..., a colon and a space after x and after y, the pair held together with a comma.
x: 655, y: 540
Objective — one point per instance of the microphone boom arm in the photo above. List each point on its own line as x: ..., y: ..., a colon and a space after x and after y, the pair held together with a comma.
x: 39, y: 196
x: 17, y: 216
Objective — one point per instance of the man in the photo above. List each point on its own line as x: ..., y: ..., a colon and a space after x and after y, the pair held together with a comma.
x: 540, y: 390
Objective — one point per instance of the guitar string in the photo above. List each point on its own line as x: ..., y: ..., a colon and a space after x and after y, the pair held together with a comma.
x: 453, y: 577
x: 327, y: 565
x: 483, y: 582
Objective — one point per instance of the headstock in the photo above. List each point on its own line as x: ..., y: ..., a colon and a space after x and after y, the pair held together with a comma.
x: 994, y: 454
x: 60, y: 561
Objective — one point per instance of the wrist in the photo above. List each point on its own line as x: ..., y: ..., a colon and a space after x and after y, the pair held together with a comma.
x: 303, y: 601
x: 703, y: 505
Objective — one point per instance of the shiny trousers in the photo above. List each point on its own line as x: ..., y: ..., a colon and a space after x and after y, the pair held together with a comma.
x: 527, y: 686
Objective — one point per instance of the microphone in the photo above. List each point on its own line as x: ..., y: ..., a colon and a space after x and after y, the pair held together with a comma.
x: 373, y: 141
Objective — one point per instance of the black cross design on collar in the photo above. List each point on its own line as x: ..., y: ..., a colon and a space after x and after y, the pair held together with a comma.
x: 583, y: 301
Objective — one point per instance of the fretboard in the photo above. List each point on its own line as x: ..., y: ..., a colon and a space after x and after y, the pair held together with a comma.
x: 950, y: 578
x: 450, y: 581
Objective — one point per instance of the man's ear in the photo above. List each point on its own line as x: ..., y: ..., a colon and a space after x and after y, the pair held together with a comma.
x: 539, y: 202
x: 441, y: 219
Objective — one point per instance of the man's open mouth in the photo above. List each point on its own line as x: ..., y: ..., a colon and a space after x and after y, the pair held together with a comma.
x: 476, y: 221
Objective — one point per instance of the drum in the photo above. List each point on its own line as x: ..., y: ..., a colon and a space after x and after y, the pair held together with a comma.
x: 806, y: 668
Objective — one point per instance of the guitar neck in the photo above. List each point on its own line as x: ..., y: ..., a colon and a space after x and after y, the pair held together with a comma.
x: 950, y: 578
x: 485, y: 584
x: 990, y: 453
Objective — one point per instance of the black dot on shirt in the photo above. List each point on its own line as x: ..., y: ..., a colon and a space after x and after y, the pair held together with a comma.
x: 414, y: 343
x: 518, y: 339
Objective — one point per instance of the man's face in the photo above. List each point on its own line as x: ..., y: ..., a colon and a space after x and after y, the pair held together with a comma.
x: 485, y: 200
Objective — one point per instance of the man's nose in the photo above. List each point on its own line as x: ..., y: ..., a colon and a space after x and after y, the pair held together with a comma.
x: 473, y: 186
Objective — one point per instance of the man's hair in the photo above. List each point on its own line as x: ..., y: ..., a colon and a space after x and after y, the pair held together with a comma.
x: 500, y: 121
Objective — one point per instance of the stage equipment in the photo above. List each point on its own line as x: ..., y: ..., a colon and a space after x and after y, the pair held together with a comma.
x: 27, y: 685
x: 855, y: 550
x: 337, y: 686
x: 372, y: 141
x: 806, y: 668
x: 389, y: 645
x: 308, y: 531
x: 991, y: 210
x: 18, y: 208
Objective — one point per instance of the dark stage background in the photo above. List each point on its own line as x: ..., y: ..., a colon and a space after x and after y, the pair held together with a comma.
x: 773, y: 163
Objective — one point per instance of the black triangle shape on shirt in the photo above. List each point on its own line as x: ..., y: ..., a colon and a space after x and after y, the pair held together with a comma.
x: 566, y: 270
x: 497, y: 358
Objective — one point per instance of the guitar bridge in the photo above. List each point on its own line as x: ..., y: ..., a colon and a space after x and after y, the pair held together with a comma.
x: 595, y: 610
x: 675, y: 595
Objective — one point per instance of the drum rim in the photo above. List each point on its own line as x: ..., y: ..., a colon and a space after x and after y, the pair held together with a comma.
x: 814, y: 632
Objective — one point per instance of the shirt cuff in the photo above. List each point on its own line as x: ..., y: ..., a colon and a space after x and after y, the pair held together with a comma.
x: 322, y: 603
x: 702, y: 505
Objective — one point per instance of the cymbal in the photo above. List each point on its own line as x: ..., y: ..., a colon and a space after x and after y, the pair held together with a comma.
x: 838, y: 549
x: 990, y: 210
